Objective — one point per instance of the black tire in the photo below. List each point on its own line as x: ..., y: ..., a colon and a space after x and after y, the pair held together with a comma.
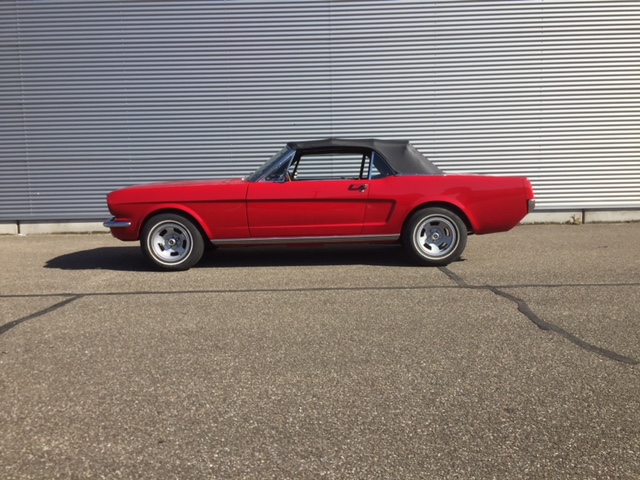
x: 434, y: 236
x: 171, y: 242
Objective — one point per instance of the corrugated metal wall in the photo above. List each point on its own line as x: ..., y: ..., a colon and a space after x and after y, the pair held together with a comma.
x: 96, y: 95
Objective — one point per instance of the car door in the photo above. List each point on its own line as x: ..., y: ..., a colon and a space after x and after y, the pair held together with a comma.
x: 322, y: 195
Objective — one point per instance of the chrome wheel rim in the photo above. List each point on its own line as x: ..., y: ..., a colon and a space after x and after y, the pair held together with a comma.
x: 436, y: 236
x: 170, y: 242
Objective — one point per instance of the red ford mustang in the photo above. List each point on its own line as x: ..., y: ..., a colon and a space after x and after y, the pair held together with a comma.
x: 319, y: 192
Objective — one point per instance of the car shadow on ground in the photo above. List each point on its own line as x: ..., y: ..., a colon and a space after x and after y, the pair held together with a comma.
x: 130, y: 259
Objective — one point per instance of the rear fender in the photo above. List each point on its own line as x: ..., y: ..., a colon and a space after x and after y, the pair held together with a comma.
x: 448, y: 205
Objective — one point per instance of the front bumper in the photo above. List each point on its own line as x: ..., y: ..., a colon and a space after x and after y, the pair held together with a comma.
x: 113, y: 223
x: 122, y: 229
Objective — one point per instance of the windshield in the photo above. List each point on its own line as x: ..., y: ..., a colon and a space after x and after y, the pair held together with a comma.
x: 283, y: 156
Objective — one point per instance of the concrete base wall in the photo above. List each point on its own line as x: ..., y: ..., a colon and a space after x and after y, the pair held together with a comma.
x: 554, y: 217
x: 40, y: 228
x: 584, y: 216
x: 574, y: 217
x: 8, y: 228
x: 606, y: 217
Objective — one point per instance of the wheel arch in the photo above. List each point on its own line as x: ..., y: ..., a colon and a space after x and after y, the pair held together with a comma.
x: 176, y: 210
x: 447, y: 206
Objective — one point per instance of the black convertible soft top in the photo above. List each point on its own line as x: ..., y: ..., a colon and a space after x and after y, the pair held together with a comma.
x: 399, y: 154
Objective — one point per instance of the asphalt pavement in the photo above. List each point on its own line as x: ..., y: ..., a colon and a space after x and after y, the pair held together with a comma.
x: 519, y: 361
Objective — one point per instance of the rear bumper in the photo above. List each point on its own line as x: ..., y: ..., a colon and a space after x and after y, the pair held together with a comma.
x: 531, y: 205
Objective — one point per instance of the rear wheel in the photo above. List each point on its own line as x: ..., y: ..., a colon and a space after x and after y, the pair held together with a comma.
x: 171, y: 242
x: 434, y: 236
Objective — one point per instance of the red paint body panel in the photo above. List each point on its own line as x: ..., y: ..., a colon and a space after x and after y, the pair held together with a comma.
x: 491, y: 204
x: 307, y: 208
x: 237, y: 209
x: 218, y: 206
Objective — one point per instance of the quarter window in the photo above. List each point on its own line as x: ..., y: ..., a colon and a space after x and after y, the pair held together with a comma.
x: 379, y: 168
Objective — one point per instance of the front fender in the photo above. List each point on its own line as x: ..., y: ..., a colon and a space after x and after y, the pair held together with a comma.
x: 174, y: 208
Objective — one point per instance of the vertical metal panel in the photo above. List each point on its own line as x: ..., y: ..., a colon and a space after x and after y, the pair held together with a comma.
x: 102, y: 94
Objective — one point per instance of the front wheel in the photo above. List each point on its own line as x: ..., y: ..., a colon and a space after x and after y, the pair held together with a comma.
x: 434, y: 236
x: 171, y: 242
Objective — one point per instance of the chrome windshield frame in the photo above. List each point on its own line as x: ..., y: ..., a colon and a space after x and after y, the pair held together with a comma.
x: 272, y: 165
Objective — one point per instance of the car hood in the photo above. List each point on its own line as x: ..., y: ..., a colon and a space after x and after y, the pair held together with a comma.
x: 187, y: 190
x: 187, y: 183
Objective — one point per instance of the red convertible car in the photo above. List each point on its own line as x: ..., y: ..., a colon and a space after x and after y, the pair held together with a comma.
x: 317, y: 192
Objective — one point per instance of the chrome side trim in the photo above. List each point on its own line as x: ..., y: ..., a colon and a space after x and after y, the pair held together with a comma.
x: 303, y: 240
x: 111, y: 223
x: 531, y: 205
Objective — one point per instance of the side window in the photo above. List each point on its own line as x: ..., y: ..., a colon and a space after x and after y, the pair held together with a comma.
x: 330, y: 166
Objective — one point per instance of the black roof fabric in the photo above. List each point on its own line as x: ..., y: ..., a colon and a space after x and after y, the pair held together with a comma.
x: 399, y: 154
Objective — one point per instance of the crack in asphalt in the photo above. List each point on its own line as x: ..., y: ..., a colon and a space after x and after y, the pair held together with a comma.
x: 456, y: 278
x: 8, y: 326
x: 460, y: 283
x: 524, y: 308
